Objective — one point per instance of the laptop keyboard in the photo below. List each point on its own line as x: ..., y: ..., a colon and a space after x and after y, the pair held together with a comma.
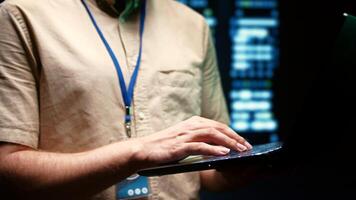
x: 255, y: 151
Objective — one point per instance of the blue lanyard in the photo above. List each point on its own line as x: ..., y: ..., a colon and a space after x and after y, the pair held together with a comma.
x: 127, y: 93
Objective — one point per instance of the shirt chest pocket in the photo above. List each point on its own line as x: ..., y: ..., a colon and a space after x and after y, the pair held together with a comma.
x: 179, y: 93
x: 177, y: 78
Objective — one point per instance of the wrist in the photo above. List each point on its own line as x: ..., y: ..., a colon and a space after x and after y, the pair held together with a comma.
x: 139, y: 155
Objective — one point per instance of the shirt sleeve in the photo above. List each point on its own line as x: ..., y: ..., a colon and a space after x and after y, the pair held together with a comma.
x: 19, y: 115
x: 213, y: 99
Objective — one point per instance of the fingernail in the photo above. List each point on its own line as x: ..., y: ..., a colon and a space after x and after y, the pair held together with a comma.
x: 224, y: 150
x: 241, y: 147
x: 249, y: 146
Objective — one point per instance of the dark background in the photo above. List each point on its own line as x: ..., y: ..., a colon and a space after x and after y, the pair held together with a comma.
x: 315, y: 105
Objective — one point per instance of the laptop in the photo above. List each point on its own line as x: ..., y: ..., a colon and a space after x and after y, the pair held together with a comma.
x: 259, y: 153
x: 312, y: 139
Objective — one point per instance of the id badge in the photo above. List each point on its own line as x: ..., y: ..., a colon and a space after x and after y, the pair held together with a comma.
x: 133, y: 187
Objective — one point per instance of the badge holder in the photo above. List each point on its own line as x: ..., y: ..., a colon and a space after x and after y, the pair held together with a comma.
x: 133, y: 187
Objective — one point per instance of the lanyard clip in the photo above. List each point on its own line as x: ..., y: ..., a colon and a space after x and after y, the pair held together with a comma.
x: 128, y: 129
x: 128, y: 120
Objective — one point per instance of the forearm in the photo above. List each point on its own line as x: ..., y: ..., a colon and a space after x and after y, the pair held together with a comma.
x: 77, y: 176
x: 69, y: 176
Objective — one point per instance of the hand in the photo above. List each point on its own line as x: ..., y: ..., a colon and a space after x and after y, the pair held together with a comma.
x: 195, y: 136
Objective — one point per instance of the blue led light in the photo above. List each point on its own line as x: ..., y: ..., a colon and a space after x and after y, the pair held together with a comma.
x: 254, y: 59
x: 259, y: 22
x: 199, y: 3
x: 261, y: 4
x: 243, y: 48
x: 211, y: 21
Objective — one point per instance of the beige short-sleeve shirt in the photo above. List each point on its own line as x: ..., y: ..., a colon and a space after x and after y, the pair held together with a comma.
x: 59, y: 90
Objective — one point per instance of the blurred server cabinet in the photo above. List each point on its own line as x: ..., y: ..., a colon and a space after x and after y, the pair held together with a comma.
x: 246, y: 34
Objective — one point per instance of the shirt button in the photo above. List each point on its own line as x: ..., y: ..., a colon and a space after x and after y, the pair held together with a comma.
x: 141, y: 116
